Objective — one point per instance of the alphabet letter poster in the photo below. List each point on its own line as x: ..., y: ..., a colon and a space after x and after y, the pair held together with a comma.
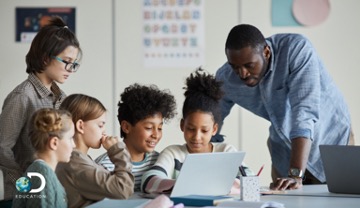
x: 173, y: 33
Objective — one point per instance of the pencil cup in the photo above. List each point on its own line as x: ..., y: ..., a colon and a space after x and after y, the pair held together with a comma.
x: 250, y: 188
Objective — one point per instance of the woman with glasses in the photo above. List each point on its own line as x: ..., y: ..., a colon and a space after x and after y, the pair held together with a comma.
x: 53, y: 57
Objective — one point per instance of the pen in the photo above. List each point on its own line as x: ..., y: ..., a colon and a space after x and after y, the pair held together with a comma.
x: 242, y: 171
x: 262, y: 167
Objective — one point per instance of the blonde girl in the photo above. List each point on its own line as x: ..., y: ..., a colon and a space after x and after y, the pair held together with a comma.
x: 84, y: 180
x: 51, y: 135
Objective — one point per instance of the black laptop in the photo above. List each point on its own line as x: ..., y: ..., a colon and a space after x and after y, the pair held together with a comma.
x: 342, y: 168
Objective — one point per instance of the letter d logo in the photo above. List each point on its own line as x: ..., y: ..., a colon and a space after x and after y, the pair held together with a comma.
x: 43, y: 182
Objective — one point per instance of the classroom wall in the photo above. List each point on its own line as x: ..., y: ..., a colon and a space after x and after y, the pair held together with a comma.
x: 110, y: 34
x: 94, y: 31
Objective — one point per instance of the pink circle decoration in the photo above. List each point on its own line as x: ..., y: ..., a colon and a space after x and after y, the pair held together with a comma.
x: 311, y: 12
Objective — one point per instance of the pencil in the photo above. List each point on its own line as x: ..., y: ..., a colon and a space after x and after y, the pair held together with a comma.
x: 262, y: 167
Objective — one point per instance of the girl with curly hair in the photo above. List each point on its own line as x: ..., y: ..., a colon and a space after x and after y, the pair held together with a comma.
x: 201, y: 116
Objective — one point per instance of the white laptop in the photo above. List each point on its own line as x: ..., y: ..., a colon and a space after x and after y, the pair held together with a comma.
x: 342, y: 168
x: 208, y: 173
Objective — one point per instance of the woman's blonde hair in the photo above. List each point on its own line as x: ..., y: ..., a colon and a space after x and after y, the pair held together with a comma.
x: 48, y: 123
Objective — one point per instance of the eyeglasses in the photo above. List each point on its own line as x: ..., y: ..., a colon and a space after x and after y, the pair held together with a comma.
x: 70, y: 67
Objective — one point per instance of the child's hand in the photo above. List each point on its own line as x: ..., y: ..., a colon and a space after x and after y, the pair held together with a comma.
x: 235, y: 189
x: 108, y: 141
x: 163, y: 201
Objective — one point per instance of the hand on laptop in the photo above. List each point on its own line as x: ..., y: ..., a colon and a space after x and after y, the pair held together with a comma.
x: 286, y: 183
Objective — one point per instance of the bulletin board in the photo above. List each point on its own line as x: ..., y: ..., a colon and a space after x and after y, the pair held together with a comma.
x: 29, y: 20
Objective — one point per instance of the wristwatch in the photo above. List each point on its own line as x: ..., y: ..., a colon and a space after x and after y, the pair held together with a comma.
x: 296, y: 173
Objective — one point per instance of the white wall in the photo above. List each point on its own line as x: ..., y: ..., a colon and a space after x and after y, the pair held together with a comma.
x: 94, y: 31
x: 111, y: 39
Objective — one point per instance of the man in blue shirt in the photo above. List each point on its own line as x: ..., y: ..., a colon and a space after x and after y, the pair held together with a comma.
x: 283, y: 80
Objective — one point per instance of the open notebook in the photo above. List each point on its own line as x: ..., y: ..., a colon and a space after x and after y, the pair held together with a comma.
x: 342, y: 168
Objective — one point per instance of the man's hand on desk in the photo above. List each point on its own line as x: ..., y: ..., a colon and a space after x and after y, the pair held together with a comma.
x: 286, y: 183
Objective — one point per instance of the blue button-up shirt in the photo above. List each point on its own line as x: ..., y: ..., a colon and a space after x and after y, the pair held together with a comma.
x: 298, y: 97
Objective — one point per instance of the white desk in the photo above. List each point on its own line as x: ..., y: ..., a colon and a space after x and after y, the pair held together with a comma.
x: 317, y: 190
x: 112, y: 203
x: 311, y: 196
x: 313, y: 202
x: 314, y: 196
